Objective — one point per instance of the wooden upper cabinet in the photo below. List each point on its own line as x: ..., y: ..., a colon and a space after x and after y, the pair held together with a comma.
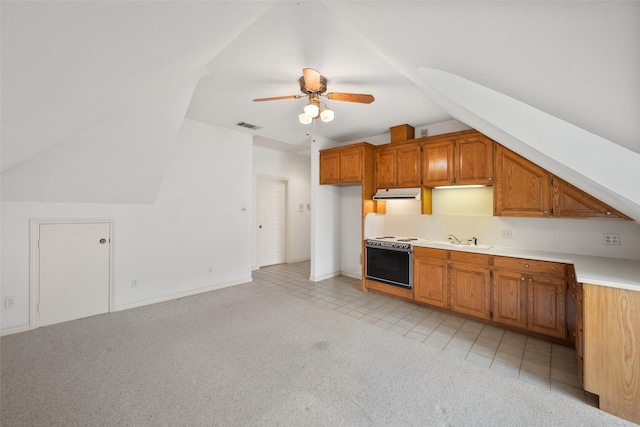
x: 521, y: 188
x: 398, y: 166
x: 474, y: 160
x: 438, y: 163
x: 345, y: 165
x: 351, y: 165
x: 330, y: 167
x: 571, y: 202
x: 459, y: 160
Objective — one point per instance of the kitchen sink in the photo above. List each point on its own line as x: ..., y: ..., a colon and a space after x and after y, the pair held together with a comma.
x: 449, y: 245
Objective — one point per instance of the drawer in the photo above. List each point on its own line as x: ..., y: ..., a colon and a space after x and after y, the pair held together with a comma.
x: 431, y: 253
x: 530, y: 266
x: 469, y: 258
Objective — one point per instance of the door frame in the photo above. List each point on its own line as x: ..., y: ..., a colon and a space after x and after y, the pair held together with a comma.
x: 34, y: 259
x: 287, y: 214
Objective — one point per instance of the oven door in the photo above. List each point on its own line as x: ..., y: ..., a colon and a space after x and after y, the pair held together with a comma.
x: 393, y: 267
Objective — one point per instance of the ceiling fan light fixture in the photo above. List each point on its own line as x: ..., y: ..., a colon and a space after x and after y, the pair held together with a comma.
x: 311, y: 109
x: 327, y: 115
x: 304, y: 118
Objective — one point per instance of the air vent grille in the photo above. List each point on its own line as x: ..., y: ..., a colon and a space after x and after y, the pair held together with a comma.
x: 248, y: 125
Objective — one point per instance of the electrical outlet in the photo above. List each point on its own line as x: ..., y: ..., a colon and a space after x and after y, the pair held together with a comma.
x: 506, y: 234
x: 611, y: 239
x: 9, y: 302
x: 134, y: 283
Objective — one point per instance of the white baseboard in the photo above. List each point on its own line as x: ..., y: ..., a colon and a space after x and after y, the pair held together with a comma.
x: 324, y: 276
x: 181, y: 294
x: 14, y: 330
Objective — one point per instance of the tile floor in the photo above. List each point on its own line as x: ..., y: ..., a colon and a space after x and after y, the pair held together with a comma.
x: 544, y: 364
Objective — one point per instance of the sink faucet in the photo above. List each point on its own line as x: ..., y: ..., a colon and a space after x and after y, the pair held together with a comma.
x: 454, y: 239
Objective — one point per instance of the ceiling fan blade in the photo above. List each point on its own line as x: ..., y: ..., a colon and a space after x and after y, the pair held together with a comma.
x: 311, y: 79
x: 351, y: 97
x: 276, y: 98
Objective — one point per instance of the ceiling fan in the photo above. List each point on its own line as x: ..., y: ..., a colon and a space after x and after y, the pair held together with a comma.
x: 313, y: 86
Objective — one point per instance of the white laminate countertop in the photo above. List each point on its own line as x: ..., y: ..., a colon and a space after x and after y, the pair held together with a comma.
x: 611, y: 272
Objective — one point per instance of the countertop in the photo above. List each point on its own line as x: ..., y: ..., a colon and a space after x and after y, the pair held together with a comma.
x: 611, y: 272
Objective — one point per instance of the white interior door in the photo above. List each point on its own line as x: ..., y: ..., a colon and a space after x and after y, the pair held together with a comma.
x: 272, y: 195
x: 73, y: 270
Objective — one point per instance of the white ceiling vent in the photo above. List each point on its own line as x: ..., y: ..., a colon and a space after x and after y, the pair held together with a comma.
x: 248, y: 125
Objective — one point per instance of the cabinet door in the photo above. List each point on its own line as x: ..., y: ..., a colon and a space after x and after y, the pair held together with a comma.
x: 408, y: 166
x: 330, y: 168
x: 521, y: 188
x: 351, y: 165
x: 571, y: 202
x: 474, y: 161
x: 469, y: 290
x: 508, y: 298
x: 430, y: 281
x: 546, y: 306
x: 437, y: 164
x: 386, y: 167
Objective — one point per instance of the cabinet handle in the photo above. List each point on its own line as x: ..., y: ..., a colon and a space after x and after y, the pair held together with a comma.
x: 546, y: 212
x: 526, y: 266
x: 608, y: 213
x: 490, y: 178
x: 523, y: 278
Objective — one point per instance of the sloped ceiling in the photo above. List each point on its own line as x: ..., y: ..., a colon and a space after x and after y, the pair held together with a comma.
x: 68, y: 68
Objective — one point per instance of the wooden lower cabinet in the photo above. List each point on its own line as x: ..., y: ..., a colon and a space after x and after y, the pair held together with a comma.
x: 469, y: 290
x: 508, y: 298
x: 546, y: 306
x: 430, y: 277
x: 529, y: 295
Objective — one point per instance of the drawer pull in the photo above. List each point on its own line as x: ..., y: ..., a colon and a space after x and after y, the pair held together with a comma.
x: 526, y: 266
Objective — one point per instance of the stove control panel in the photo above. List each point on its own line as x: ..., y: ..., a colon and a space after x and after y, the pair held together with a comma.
x: 390, y: 245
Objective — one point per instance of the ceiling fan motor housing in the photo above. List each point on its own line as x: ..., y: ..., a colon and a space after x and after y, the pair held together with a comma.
x: 321, y: 89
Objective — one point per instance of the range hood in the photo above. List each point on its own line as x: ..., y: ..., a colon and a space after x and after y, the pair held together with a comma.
x: 397, y: 193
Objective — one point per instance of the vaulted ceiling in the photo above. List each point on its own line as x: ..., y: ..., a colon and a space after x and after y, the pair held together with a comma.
x: 71, y: 68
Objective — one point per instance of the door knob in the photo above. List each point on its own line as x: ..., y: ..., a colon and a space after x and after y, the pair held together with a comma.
x: 259, y: 226
x: 103, y: 241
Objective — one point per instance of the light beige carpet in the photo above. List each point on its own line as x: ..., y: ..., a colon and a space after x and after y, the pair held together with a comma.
x: 251, y: 355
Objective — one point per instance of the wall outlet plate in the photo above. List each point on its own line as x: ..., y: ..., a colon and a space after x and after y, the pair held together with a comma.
x: 611, y: 239
x: 9, y: 302
x: 506, y: 234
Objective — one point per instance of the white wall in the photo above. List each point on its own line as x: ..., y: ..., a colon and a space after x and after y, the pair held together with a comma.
x: 296, y: 170
x: 325, y: 218
x: 196, y: 222
x: 351, y: 231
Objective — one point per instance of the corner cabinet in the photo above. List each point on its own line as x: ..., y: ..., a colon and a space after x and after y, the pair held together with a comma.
x: 345, y: 165
x: 464, y: 158
x: 398, y: 166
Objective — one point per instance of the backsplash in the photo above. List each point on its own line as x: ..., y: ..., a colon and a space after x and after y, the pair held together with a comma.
x: 579, y: 236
